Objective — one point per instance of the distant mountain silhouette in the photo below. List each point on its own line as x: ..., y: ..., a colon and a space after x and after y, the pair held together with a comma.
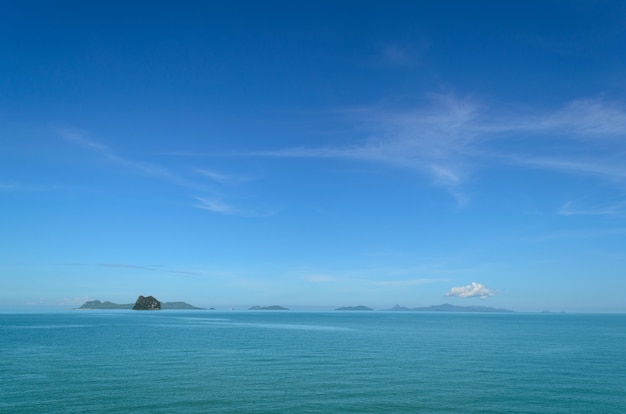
x: 178, y: 306
x: 354, y: 308
x: 96, y: 304
x: 446, y: 307
x: 274, y: 307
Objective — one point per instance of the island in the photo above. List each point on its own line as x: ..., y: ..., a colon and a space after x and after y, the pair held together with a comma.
x: 106, y: 305
x: 179, y: 306
x: 354, y: 308
x: 446, y: 307
x: 147, y: 303
x: 96, y: 304
x: 273, y: 307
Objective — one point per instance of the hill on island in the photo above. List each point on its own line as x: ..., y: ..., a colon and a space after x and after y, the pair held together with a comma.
x: 147, y: 303
x: 96, y: 304
x: 178, y: 306
x: 446, y: 307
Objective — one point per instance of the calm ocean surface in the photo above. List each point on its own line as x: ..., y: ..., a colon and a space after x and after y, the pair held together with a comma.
x: 311, y: 362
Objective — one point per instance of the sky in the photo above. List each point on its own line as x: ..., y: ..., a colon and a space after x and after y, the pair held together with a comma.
x: 314, y: 153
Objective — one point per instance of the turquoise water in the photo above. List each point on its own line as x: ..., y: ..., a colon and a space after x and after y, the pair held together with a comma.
x: 311, y: 362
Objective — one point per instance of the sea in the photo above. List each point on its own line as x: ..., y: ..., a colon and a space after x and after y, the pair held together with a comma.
x: 311, y: 362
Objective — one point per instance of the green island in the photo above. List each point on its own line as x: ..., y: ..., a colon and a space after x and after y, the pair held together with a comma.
x: 354, y: 308
x: 139, y: 305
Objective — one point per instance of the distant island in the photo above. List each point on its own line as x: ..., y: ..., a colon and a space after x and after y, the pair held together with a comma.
x: 446, y: 307
x: 179, y: 306
x: 152, y: 305
x: 354, y: 308
x: 96, y: 304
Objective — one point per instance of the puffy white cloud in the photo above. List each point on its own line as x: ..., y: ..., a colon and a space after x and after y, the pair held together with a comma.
x: 472, y: 291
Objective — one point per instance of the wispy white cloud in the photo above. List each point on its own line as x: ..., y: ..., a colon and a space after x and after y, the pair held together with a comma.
x: 220, y: 178
x: 80, y: 139
x: 446, y: 141
x: 579, y: 119
x: 585, y: 118
x: 586, y: 137
x: 103, y: 150
x: 214, y: 202
x: 606, y: 167
x: 216, y: 206
x: 433, y: 141
x: 570, y: 209
x: 475, y: 290
x: 452, y: 137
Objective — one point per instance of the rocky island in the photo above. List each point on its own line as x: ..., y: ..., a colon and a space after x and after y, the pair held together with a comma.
x: 147, y: 303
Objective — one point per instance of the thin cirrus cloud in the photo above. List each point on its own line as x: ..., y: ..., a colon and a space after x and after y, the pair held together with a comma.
x: 444, y: 141
x: 220, y: 178
x: 214, y: 203
x: 145, y: 168
x: 570, y: 209
x: 216, y: 206
x: 452, y: 137
x: 584, y: 118
x: 429, y: 140
x: 433, y: 141
x: 475, y: 290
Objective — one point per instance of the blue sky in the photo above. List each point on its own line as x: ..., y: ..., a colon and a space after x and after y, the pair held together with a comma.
x: 314, y: 153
